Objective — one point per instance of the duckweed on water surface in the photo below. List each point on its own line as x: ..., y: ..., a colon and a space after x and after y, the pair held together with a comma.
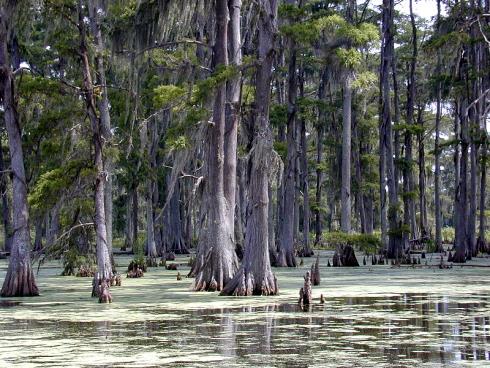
x: 372, y: 317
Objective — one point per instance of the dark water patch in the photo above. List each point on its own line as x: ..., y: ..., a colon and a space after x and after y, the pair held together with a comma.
x: 9, y: 303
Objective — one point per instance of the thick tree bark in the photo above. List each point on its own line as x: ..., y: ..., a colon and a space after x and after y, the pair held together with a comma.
x: 19, y: 280
x: 232, y: 111
x: 7, y: 223
x: 286, y: 256
x: 320, y: 129
x: 216, y: 261
x: 95, y: 12
x: 104, y: 266
x: 437, y: 153
x: 255, y: 276
x: 306, y: 250
x: 482, y: 243
x: 151, y: 247
x: 422, y: 177
x: 408, y: 180
x: 394, y: 244
x: 461, y: 204
x: 173, y: 232
x: 345, y: 200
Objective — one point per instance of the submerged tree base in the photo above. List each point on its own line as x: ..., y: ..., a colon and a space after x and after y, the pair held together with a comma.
x: 213, y: 271
x: 246, y: 283
x: 286, y: 258
x: 19, y: 282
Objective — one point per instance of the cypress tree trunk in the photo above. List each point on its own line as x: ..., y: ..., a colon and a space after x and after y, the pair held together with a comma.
x: 437, y: 153
x: 173, y: 232
x: 255, y: 276
x: 232, y: 111
x: 306, y: 251
x: 19, y: 280
x: 104, y: 266
x: 408, y: 180
x: 286, y: 256
x: 345, y: 218
x: 151, y: 247
x: 394, y: 245
x: 216, y: 261
x: 422, y: 179
x: 7, y: 225
x: 95, y: 11
x: 482, y: 243
x: 461, y: 204
x: 319, y: 158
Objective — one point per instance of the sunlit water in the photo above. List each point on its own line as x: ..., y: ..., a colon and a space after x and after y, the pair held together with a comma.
x: 372, y: 317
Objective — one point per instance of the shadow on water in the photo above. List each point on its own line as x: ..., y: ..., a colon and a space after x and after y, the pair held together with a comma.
x: 390, y: 331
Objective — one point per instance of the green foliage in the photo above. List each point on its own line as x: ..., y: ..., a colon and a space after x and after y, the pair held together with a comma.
x: 51, y: 184
x: 73, y: 260
x: 300, y: 32
x: 369, y: 243
x: 167, y: 94
x: 448, y: 235
x: 278, y: 115
x: 204, y: 88
x: 281, y: 148
x: 350, y: 58
x: 357, y: 35
x: 365, y: 80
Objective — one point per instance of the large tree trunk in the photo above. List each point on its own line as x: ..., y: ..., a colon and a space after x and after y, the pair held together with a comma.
x: 408, y: 180
x: 345, y: 200
x: 255, y: 276
x: 286, y: 256
x: 19, y: 280
x: 7, y: 225
x: 232, y: 111
x: 173, y: 232
x: 461, y: 204
x: 216, y: 261
x: 319, y: 158
x: 437, y: 153
x: 95, y: 12
x: 151, y: 247
x: 482, y: 244
x: 422, y: 177
x: 394, y: 244
x: 104, y: 266
x: 306, y: 251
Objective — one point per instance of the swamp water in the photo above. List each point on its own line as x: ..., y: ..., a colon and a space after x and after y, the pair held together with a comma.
x: 372, y: 317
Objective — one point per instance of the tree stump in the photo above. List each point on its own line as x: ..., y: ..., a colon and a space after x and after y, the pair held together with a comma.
x: 450, y: 257
x: 104, y: 294
x: 171, y: 266
x: 315, y: 272
x: 336, y: 260
x: 135, y: 273
x: 348, y: 257
x: 305, y: 295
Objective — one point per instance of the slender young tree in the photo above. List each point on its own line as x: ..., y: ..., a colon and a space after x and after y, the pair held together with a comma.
x: 19, y: 280
x: 104, y: 266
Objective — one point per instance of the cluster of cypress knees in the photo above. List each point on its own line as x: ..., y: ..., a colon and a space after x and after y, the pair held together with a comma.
x: 345, y: 256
